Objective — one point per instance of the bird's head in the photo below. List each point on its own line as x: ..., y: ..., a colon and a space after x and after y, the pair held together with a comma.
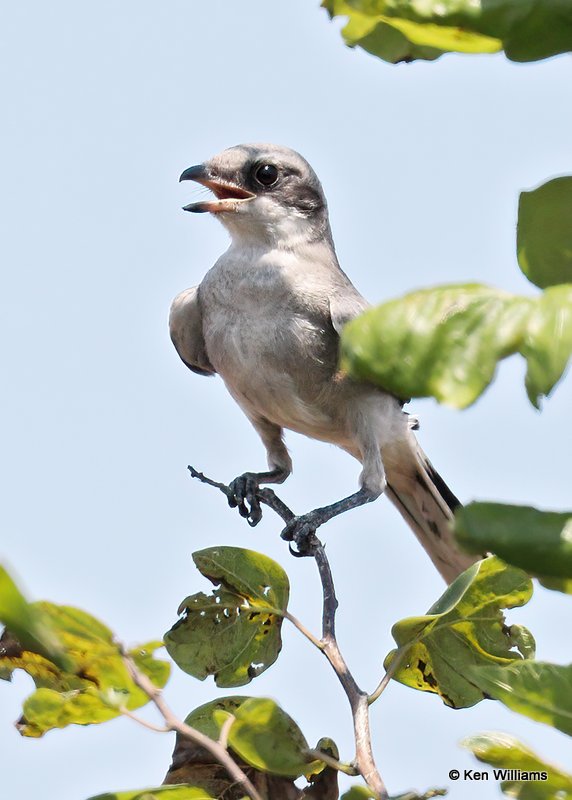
x: 263, y: 192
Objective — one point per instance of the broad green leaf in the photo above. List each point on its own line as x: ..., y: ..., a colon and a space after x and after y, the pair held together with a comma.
x: 95, y: 683
x: 233, y: 633
x: 26, y: 623
x: 547, y: 345
x: 538, y: 690
x: 446, y: 342
x: 465, y: 628
x: 544, y: 239
x: 539, y: 542
x: 203, y: 719
x: 268, y: 739
x: 528, y: 30
x: 506, y: 753
x: 396, y: 39
x: 182, y: 792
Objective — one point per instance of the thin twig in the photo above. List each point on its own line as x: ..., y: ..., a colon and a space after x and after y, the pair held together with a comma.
x: 302, y: 628
x: 358, y: 699
x: 225, y: 730
x: 347, y: 769
x: 157, y: 728
x: 173, y: 723
x: 384, y: 682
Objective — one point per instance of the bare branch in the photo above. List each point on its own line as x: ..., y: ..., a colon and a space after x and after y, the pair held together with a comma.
x: 358, y: 699
x: 173, y: 723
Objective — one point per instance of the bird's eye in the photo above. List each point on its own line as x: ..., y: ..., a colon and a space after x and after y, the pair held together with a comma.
x: 267, y: 174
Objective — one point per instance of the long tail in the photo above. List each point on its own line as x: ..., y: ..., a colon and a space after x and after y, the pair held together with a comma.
x: 427, y: 504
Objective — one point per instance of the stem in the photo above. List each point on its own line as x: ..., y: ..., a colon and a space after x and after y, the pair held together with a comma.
x: 358, y: 699
x: 302, y: 628
x: 173, y: 723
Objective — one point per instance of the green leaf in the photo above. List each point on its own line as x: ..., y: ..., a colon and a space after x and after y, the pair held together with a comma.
x: 26, y: 623
x: 233, y: 633
x: 544, y: 238
x: 538, y: 690
x: 528, y: 30
x: 182, y: 792
x: 358, y: 793
x: 268, y: 739
x: 93, y: 685
x: 395, y: 39
x: 506, y: 753
x: 539, y: 542
x: 203, y: 719
x: 465, y: 628
x: 446, y: 342
x: 362, y: 792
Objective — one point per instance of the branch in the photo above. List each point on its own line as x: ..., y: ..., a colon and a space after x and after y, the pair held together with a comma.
x: 173, y: 723
x: 358, y: 699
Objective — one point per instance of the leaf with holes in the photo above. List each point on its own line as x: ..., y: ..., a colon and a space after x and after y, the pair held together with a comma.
x: 268, y: 739
x: 533, y: 688
x: 539, y: 542
x: 544, y: 238
x: 233, y: 633
x: 540, y: 780
x: 465, y: 628
x: 446, y: 342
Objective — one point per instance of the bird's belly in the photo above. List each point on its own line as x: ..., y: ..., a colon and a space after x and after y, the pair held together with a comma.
x: 278, y: 370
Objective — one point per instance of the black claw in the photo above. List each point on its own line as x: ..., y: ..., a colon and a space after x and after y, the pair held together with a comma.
x: 244, y: 496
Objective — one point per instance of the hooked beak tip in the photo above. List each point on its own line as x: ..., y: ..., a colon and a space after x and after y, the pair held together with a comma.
x: 196, y: 173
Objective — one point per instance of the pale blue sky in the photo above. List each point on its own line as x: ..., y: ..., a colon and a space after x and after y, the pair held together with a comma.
x: 104, y: 105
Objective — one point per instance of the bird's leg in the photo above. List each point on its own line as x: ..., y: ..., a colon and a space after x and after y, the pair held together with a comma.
x: 300, y: 528
x: 245, y: 490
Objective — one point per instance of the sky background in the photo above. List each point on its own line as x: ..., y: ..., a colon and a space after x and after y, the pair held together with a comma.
x: 104, y: 104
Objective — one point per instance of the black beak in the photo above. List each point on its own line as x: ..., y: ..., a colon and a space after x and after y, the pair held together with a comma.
x: 197, y: 173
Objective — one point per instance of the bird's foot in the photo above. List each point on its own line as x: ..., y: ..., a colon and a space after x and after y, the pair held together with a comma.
x: 244, y: 496
x: 302, y: 531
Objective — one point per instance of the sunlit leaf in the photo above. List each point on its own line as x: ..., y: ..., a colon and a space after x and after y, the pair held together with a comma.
x: 233, y: 633
x: 506, y: 753
x: 533, y: 688
x: 267, y: 738
x: 544, y: 241
x: 80, y: 675
x: 465, y: 628
x: 528, y: 30
x: 446, y: 342
x: 539, y: 542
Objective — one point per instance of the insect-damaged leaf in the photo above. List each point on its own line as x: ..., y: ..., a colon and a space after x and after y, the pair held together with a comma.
x: 539, y: 542
x: 182, y: 792
x: 544, y: 239
x: 93, y: 683
x: 233, y: 633
x: 533, y: 688
x: 464, y: 628
x: 506, y: 753
x: 446, y: 342
x: 268, y: 739
x: 404, y: 30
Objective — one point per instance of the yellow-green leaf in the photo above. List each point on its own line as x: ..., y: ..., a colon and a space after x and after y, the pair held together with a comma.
x: 233, y: 633
x: 536, y: 689
x: 181, y: 792
x: 540, y: 780
x: 465, y: 628
x: 268, y: 739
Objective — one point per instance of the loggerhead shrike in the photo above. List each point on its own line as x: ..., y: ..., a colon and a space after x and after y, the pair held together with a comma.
x: 267, y: 318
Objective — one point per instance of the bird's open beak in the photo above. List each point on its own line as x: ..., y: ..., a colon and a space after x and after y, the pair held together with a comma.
x: 229, y: 197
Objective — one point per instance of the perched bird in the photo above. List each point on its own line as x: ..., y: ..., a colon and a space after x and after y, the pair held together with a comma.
x: 267, y: 318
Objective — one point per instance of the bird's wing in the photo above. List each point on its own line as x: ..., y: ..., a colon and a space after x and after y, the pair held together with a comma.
x: 186, y: 328
x: 346, y: 303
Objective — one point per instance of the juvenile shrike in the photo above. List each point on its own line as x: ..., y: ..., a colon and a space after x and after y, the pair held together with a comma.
x: 267, y: 318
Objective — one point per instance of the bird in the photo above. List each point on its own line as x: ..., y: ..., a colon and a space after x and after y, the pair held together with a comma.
x: 267, y: 318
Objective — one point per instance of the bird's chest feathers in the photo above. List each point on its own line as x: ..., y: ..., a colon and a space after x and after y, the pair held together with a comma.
x: 267, y: 330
